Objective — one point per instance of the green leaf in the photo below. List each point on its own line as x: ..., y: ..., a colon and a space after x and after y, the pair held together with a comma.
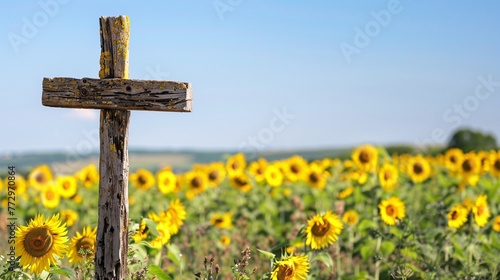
x: 326, y: 259
x: 156, y: 271
x: 64, y: 271
x: 152, y: 227
x: 365, y: 224
x: 174, y: 254
x: 367, y: 252
x: 387, y: 247
x: 269, y: 255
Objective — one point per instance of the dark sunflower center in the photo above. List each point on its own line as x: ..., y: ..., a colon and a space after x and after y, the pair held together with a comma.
x: 467, y: 165
x: 387, y: 175
x: 453, y: 159
x: 418, y: 168
x: 320, y: 230
x: 38, y: 242
x: 314, y: 177
x: 295, y: 168
x: 40, y: 177
x: 85, y: 243
x: 351, y: 219
x: 50, y: 195
x: 196, y: 182
x: 66, y: 185
x: 218, y: 221
x: 480, y: 210
x: 240, y: 181
x: 88, y: 179
x: 454, y: 215
x: 285, y: 273
x: 166, y: 181
x: 142, y: 180
x: 213, y: 175
x: 364, y: 157
x: 235, y: 165
x: 496, y: 165
x: 390, y: 210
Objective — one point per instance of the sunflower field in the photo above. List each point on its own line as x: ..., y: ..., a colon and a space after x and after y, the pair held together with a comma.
x: 372, y: 216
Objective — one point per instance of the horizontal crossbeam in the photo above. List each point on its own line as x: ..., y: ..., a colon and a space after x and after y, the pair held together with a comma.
x: 118, y: 94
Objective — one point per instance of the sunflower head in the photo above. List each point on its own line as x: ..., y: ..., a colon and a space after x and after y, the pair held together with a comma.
x: 457, y: 216
x: 41, y: 243
x: 50, y: 197
x: 295, y: 169
x: 257, y: 169
x: 236, y: 164
x: 66, y: 186
x: 273, y: 175
x: 481, y: 210
x: 167, y: 181
x: 291, y: 268
x: 40, y: 176
x: 350, y: 217
x: 453, y: 159
x: 88, y: 175
x: 365, y: 157
x: 496, y: 224
x: 392, y: 210
x: 388, y: 177
x: 197, y: 183
x: 323, y: 230
x: 418, y: 169
x: 82, y: 245
x: 241, y: 182
x: 216, y: 173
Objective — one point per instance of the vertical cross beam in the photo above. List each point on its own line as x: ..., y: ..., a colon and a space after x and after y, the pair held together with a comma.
x: 112, y: 228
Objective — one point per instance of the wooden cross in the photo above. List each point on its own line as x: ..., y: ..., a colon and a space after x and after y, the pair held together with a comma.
x: 115, y: 95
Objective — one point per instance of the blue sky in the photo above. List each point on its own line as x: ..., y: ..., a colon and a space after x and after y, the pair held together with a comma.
x: 265, y: 74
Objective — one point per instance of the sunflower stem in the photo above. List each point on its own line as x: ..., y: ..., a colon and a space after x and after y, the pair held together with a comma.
x: 377, y: 263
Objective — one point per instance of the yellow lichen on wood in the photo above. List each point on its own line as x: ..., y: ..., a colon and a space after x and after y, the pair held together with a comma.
x: 104, y: 62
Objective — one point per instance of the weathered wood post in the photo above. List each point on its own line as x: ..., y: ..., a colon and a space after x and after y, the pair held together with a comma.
x: 115, y: 95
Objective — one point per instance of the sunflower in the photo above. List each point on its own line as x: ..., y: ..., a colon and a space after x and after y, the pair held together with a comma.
x: 350, y: 217
x: 197, y: 183
x: 176, y: 214
x: 481, y: 210
x: 257, y: 169
x: 471, y: 165
x: 496, y: 224
x: 295, y: 169
x: 163, y: 238
x: 453, y: 159
x: 322, y: 230
x: 365, y: 157
x: 66, y: 186
x: 50, y: 197
x: 225, y: 240
x: 82, y: 245
x: 236, y: 164
x: 69, y: 216
x: 388, y: 177
x: 142, y: 232
x: 1, y: 185
x: 316, y: 176
x: 143, y: 179
x: 273, y: 175
x: 418, y: 169
x: 345, y: 193
x: 222, y: 221
x: 40, y: 176
x: 485, y: 160
x: 241, y: 182
x: 291, y: 268
x: 495, y: 164
x: 216, y: 173
x: 391, y: 210
x: 166, y: 181
x: 88, y: 175
x: 41, y: 243
x: 457, y: 216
